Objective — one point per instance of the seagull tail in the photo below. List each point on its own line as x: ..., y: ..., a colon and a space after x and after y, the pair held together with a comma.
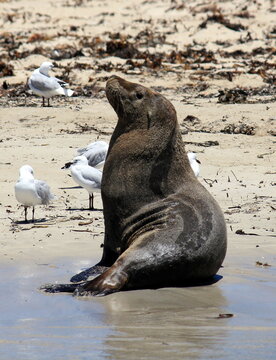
x: 68, y: 92
x: 53, y: 197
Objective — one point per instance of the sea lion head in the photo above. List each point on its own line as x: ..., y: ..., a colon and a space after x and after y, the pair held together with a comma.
x: 138, y: 106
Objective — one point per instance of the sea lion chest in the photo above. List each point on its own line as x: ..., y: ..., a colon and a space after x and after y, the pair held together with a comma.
x: 127, y: 182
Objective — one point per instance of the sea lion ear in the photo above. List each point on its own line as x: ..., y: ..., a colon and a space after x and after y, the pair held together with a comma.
x: 149, y: 115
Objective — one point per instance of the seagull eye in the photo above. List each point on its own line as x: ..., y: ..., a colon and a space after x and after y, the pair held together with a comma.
x: 139, y: 95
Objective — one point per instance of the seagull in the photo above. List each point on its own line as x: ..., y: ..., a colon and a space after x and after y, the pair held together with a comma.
x: 31, y: 192
x: 99, y: 144
x: 194, y: 162
x: 86, y: 176
x: 42, y: 84
x: 95, y: 153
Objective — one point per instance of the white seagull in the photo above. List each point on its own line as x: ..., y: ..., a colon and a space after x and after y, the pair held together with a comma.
x: 86, y: 176
x: 95, y: 153
x: 194, y: 162
x: 42, y: 84
x: 31, y: 192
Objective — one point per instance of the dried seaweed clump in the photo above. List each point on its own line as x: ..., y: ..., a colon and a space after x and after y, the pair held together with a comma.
x: 6, y: 69
x: 232, y: 96
x: 192, y: 56
x: 14, y: 90
x: 190, y: 123
x: 121, y: 48
x: 39, y: 37
x: 218, y: 17
x: 239, y: 129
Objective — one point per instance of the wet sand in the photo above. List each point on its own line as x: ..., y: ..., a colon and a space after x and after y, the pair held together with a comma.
x: 220, y: 80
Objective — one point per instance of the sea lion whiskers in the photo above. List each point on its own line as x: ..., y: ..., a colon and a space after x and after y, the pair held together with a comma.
x: 114, y: 93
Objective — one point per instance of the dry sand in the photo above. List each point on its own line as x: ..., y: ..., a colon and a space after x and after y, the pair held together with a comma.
x: 216, y: 64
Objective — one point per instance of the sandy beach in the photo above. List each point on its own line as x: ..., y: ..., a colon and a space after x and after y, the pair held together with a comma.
x: 216, y: 63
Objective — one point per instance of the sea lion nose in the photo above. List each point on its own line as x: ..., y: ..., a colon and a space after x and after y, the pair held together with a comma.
x: 112, y: 81
x: 112, y: 78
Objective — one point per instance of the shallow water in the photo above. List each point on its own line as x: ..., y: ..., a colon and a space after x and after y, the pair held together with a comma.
x: 149, y: 324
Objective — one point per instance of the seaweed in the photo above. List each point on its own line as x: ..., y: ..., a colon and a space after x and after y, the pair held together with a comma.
x: 6, y: 69
x: 239, y: 129
x: 219, y: 18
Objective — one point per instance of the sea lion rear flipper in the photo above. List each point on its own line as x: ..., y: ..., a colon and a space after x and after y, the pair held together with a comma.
x: 110, y: 281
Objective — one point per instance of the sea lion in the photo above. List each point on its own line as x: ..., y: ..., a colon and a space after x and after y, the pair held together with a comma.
x: 162, y: 227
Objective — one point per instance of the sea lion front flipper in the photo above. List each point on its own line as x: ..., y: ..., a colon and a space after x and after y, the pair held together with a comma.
x: 56, y: 288
x: 85, y: 274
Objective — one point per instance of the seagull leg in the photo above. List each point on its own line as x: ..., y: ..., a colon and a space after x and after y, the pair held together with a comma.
x: 48, y: 102
x: 25, y: 210
x: 43, y: 101
x: 33, y: 213
x: 91, y: 201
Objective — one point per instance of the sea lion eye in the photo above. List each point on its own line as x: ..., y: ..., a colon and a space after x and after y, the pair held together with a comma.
x: 139, y: 95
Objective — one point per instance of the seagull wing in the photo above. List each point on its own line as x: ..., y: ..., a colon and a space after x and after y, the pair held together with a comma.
x: 43, y: 191
x: 94, y: 157
x: 43, y: 83
x: 61, y: 82
x: 97, y: 146
x: 91, y: 177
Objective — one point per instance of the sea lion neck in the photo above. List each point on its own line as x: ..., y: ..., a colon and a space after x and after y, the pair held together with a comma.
x: 147, y: 127
x: 146, y: 147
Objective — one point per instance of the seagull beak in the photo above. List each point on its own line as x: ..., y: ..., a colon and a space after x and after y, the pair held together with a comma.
x: 67, y: 165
